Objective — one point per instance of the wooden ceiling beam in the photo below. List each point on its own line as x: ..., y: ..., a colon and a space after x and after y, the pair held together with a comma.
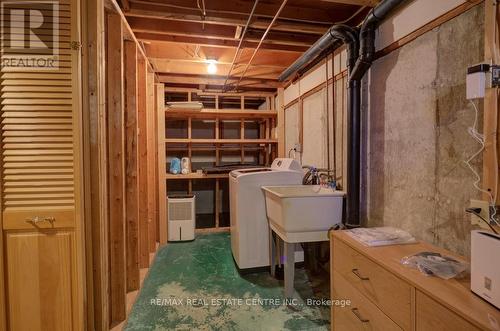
x: 369, y: 3
x: 265, y: 91
x: 125, y: 5
x: 212, y: 31
x: 191, y: 53
x: 176, y: 14
x: 153, y: 37
x: 190, y: 68
x: 178, y: 63
x: 217, y: 80
x: 328, y: 14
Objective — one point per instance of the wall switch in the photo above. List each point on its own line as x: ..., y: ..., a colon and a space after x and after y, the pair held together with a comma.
x: 485, y: 213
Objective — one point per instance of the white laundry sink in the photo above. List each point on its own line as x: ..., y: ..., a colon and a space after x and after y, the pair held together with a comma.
x: 303, y: 213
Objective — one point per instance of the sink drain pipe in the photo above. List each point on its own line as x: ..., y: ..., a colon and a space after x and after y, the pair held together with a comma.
x: 360, y: 52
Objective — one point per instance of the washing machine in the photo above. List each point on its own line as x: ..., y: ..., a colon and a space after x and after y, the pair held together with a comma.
x: 249, y: 225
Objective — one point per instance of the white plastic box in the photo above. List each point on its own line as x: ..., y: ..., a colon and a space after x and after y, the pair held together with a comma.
x: 181, y: 217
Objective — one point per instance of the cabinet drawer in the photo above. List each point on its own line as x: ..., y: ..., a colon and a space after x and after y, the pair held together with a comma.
x: 361, y: 314
x: 431, y: 315
x: 388, y: 292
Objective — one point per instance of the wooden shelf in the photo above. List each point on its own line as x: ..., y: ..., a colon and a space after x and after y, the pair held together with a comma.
x: 220, y: 113
x: 195, y: 176
x: 220, y: 141
x: 221, y: 148
x: 215, y: 136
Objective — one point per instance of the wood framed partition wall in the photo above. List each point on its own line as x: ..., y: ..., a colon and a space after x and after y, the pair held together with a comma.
x: 131, y: 157
x: 233, y: 128
x: 117, y: 81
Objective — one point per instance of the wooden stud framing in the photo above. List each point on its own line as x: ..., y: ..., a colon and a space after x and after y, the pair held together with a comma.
x: 162, y: 190
x: 131, y: 159
x: 114, y: 61
x: 95, y: 166
x: 242, y: 135
x: 151, y: 156
x: 491, y: 104
x: 217, y: 202
x: 280, y: 98
x: 143, y: 164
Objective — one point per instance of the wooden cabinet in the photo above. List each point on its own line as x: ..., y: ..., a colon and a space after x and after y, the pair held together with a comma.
x: 385, y: 295
x: 381, y: 287
x: 362, y: 314
x: 430, y: 315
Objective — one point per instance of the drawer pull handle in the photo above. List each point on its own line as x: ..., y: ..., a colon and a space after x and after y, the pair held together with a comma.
x: 35, y: 220
x: 356, y: 272
x: 356, y: 313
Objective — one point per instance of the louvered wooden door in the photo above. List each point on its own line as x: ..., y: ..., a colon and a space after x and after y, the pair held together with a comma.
x: 41, y: 224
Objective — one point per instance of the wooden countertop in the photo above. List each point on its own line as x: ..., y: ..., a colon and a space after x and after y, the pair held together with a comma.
x: 455, y: 294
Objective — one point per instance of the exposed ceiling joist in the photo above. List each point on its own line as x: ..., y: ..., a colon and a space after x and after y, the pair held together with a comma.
x: 153, y: 37
x: 194, y: 68
x: 218, y: 80
x: 302, y: 13
x: 189, y: 53
x: 179, y: 37
x: 160, y: 12
x: 369, y: 3
x: 212, y: 31
x: 125, y: 5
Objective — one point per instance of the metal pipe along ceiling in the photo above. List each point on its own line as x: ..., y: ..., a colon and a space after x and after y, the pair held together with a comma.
x: 261, y: 41
x: 236, y: 54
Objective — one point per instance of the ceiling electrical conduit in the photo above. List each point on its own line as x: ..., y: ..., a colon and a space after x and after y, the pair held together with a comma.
x: 361, y: 50
x: 236, y: 54
x: 260, y: 42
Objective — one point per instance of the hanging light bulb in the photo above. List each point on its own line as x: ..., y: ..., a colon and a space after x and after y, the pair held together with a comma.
x: 212, y: 67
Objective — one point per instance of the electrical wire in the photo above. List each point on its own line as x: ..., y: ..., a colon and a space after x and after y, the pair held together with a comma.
x: 469, y: 210
x: 474, y: 133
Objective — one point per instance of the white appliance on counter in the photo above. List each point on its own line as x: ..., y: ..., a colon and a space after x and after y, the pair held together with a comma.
x: 485, y: 267
x: 249, y: 225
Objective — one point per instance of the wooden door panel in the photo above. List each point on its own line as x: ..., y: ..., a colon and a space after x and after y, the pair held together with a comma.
x: 40, y: 200
x: 39, y: 282
x: 41, y: 219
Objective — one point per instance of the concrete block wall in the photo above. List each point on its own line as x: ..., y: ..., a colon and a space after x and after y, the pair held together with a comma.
x: 415, y: 134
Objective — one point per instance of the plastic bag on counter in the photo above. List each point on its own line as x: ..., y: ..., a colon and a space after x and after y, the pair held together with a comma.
x: 435, y: 264
x: 381, y: 236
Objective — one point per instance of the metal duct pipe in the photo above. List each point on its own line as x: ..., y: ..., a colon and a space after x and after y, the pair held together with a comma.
x: 363, y: 63
x: 360, y: 57
x: 339, y: 32
x: 367, y: 36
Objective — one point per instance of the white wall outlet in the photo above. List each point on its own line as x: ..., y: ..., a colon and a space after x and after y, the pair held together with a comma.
x: 485, y: 213
x: 298, y: 148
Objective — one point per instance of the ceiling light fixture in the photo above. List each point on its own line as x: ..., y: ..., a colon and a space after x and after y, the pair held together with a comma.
x: 212, y: 67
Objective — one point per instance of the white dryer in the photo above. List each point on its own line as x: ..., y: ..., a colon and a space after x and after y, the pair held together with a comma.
x: 249, y: 225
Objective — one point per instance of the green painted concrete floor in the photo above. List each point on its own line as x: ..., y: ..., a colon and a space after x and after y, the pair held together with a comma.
x: 196, y: 286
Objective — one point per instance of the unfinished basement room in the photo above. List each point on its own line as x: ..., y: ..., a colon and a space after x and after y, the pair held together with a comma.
x: 249, y: 165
